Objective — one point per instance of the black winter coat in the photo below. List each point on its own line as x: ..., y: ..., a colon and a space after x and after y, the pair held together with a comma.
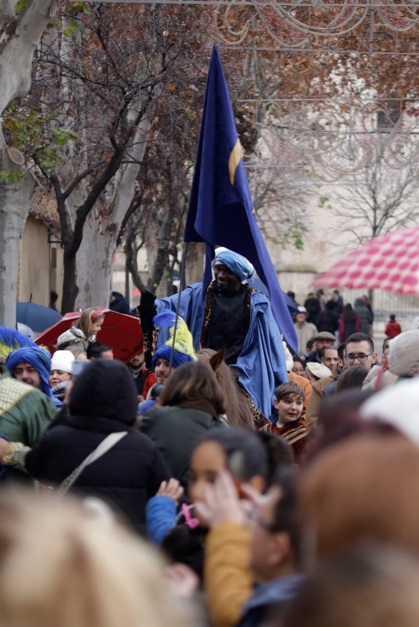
x: 327, y: 320
x: 365, y: 315
x: 103, y: 400
x: 313, y: 309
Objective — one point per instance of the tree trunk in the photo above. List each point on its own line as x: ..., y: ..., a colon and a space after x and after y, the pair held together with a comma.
x: 195, y: 261
x: 17, y: 48
x: 18, y: 40
x: 70, y: 289
x: 131, y: 261
x: 95, y: 252
x: 15, y: 201
x: 94, y: 263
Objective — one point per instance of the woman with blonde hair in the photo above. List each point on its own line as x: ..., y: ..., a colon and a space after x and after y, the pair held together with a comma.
x: 59, y: 567
x: 84, y: 331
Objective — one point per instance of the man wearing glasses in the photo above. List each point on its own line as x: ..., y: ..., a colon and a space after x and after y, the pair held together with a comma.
x: 359, y: 351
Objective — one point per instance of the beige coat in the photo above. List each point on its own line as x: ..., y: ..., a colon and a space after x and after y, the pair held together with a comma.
x: 313, y: 407
x: 305, y: 332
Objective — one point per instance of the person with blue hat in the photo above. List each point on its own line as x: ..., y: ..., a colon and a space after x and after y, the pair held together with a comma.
x: 25, y: 411
x: 177, y: 350
x: 32, y: 365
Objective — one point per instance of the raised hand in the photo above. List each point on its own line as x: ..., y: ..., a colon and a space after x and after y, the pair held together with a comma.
x: 172, y: 489
x: 221, y: 502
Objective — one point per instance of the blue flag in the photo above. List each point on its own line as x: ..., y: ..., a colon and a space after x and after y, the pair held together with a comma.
x: 220, y: 205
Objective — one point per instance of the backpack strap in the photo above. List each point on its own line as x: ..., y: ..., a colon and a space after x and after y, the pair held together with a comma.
x: 99, y: 451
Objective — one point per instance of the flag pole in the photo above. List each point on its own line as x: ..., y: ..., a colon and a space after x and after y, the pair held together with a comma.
x: 182, y: 285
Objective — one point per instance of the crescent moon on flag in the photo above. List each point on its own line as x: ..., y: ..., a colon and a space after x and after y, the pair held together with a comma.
x: 236, y: 156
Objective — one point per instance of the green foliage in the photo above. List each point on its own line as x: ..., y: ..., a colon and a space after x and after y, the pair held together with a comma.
x: 82, y: 7
x: 37, y: 136
x: 292, y: 233
x: 62, y: 136
x: 20, y: 5
x: 72, y: 29
x: 297, y: 236
x: 9, y: 178
x: 324, y: 202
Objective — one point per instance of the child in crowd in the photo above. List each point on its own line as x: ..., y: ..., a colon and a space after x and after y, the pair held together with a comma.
x: 84, y: 331
x: 252, y: 459
x: 289, y: 400
x: 393, y: 328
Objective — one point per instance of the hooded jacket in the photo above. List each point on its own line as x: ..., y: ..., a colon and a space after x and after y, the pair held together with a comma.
x: 103, y: 401
x: 73, y: 337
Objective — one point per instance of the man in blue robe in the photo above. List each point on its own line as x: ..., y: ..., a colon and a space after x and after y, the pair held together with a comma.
x: 233, y: 316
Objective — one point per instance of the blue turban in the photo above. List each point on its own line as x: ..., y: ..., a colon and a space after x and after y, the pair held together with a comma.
x: 164, y: 352
x: 238, y: 264
x: 38, y: 358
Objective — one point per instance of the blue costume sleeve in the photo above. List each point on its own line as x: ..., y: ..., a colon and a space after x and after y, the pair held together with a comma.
x: 262, y: 361
x: 160, y: 516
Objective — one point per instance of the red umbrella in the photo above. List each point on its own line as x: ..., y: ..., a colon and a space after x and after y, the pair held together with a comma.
x: 388, y: 262
x: 120, y: 331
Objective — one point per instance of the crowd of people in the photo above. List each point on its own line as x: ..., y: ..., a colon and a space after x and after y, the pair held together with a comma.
x: 218, y: 478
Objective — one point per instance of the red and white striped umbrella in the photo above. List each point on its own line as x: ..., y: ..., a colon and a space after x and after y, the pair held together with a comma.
x: 388, y: 262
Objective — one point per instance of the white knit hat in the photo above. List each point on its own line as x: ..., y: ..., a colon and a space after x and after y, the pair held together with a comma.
x: 320, y: 371
x: 62, y: 360
x: 397, y: 404
x: 404, y: 354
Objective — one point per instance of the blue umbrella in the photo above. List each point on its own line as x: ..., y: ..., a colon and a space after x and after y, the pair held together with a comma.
x: 35, y: 316
x: 25, y: 330
x: 259, y: 285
